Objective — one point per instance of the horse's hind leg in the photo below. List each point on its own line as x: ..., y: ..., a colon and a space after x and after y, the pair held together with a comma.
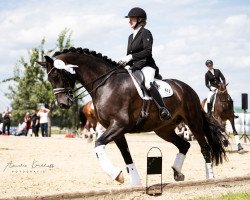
x: 183, y: 147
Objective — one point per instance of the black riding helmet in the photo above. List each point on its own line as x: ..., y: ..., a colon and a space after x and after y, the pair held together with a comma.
x: 137, y: 12
x: 208, y: 62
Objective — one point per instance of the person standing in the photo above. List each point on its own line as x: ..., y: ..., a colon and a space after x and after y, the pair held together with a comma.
x: 43, y: 114
x: 35, y: 122
x: 6, y: 121
x: 27, y: 120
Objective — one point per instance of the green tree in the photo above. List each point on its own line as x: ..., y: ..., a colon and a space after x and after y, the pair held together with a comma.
x: 30, y: 85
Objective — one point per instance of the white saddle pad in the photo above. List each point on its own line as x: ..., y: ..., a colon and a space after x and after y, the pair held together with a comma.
x: 164, y: 88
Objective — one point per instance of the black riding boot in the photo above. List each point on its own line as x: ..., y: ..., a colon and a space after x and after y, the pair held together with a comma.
x: 232, y: 104
x: 164, y: 113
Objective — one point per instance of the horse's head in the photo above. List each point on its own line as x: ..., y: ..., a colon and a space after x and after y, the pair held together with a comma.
x: 222, y: 88
x: 62, y: 81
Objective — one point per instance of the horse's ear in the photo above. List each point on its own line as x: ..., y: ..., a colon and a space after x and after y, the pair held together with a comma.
x: 49, y: 59
x: 43, y: 64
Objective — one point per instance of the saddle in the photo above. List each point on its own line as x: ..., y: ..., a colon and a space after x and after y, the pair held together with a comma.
x: 139, y: 81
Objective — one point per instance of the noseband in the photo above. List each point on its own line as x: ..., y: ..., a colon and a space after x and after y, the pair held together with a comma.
x: 67, y: 89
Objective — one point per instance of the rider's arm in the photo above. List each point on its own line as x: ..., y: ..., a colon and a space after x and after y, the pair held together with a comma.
x: 222, y: 77
x: 207, y: 82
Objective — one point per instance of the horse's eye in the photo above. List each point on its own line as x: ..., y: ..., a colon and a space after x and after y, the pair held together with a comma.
x: 54, y: 74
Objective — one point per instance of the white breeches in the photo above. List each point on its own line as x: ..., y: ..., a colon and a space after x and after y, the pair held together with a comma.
x: 149, y: 74
x: 210, y: 94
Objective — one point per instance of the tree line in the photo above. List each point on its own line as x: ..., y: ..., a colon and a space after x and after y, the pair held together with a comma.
x: 29, y: 87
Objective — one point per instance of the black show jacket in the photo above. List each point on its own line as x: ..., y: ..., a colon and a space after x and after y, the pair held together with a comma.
x: 141, y: 50
x: 214, y: 80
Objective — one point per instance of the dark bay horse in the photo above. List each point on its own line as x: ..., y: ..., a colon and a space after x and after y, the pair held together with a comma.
x: 118, y: 107
x: 224, y: 110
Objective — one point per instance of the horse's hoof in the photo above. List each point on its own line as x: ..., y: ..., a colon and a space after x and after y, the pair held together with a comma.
x: 240, y: 148
x: 120, y: 178
x: 178, y: 176
x: 225, y: 143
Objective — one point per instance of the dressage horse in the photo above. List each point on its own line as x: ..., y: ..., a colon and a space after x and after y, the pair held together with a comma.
x: 118, y: 107
x: 224, y: 110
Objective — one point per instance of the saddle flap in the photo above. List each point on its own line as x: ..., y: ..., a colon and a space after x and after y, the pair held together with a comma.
x: 139, y: 77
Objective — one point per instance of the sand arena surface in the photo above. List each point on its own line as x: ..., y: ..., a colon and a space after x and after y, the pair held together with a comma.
x: 40, y: 166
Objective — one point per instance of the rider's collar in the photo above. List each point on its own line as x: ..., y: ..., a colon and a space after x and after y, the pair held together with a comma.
x: 136, y: 31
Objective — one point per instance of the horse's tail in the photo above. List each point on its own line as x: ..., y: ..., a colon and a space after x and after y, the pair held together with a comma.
x: 82, y: 117
x: 213, y: 132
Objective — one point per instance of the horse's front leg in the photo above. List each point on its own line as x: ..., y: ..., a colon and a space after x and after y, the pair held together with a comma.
x: 122, y: 144
x: 236, y: 136
x: 113, y: 132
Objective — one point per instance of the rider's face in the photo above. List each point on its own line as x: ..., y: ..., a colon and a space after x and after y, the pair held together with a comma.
x: 132, y: 21
x: 210, y: 66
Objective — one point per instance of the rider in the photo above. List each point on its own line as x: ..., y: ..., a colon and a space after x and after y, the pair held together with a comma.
x: 213, y: 78
x: 139, y: 56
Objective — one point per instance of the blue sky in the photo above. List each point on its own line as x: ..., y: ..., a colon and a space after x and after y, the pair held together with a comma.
x: 186, y: 33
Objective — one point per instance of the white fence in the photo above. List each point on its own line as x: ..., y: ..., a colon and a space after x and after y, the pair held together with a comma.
x: 239, y: 123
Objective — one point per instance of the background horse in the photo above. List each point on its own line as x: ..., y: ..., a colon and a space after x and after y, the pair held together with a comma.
x: 118, y: 107
x: 88, y: 121
x: 224, y: 110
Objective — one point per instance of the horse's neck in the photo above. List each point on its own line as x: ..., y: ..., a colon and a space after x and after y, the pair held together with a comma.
x: 222, y: 96
x: 89, y: 69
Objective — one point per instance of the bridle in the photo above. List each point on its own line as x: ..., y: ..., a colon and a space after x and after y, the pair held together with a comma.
x: 69, y: 91
x: 222, y: 91
x: 221, y: 94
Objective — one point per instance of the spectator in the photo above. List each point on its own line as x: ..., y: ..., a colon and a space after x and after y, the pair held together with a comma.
x: 6, y: 120
x: 180, y: 129
x: 43, y: 114
x: 188, y: 134
x: 35, y: 124
x: 27, y: 120
x: 21, y: 129
x: 1, y: 127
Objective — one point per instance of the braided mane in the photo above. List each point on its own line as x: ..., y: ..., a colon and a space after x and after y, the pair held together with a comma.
x: 87, y: 52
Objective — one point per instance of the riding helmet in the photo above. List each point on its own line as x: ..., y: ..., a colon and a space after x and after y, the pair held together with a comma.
x: 208, y: 62
x: 137, y: 12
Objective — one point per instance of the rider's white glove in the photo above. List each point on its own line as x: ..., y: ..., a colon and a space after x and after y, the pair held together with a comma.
x: 126, y: 59
x: 213, y: 88
x: 127, y: 67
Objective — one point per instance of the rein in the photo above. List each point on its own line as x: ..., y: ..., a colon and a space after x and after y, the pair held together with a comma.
x: 69, y: 92
x: 109, y: 73
x: 222, y: 91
